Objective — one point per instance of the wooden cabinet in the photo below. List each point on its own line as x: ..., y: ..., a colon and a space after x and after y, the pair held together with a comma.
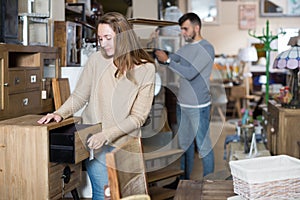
x: 22, y: 69
x: 68, y: 36
x: 282, y: 129
x: 9, y: 21
x: 25, y: 168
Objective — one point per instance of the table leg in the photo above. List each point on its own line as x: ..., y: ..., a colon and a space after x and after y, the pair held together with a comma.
x: 75, y: 194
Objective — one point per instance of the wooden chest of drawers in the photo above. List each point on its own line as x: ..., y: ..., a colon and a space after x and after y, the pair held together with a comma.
x: 22, y: 72
x: 25, y: 168
x: 282, y: 130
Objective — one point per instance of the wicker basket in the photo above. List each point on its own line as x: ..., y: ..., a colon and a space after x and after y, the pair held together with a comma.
x: 272, y: 177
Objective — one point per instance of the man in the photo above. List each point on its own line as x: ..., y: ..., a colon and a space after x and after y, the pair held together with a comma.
x: 193, y: 62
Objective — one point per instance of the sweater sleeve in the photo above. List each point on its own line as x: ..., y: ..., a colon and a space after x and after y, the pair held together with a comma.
x: 139, y: 110
x: 81, y: 94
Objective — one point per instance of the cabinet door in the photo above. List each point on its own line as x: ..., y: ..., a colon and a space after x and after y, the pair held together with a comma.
x: 3, y: 82
x: 289, y: 133
x: 50, y: 63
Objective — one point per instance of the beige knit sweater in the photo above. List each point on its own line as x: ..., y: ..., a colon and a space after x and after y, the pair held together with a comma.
x: 120, y: 104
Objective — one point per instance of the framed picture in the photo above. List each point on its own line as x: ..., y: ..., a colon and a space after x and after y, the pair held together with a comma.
x: 283, y: 8
x: 169, y: 43
x: 247, y: 17
x: 207, y: 10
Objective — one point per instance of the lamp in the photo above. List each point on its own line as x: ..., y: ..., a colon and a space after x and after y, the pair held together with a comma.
x: 290, y: 59
x: 247, y: 55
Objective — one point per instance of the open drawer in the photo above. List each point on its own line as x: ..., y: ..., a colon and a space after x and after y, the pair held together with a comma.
x: 68, y: 143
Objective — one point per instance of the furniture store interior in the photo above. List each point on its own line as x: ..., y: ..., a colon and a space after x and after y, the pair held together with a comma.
x: 245, y: 71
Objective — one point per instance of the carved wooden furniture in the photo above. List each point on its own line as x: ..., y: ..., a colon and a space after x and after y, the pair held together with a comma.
x: 22, y: 69
x: 282, y: 129
x: 25, y: 168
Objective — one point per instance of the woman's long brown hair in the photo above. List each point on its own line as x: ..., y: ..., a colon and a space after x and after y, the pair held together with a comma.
x: 128, y: 51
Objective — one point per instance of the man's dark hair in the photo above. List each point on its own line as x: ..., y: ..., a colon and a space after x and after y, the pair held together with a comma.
x: 194, y: 19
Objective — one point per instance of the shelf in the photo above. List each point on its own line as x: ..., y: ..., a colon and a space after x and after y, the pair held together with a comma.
x: 163, y: 174
x: 78, y: 8
x: 151, y: 22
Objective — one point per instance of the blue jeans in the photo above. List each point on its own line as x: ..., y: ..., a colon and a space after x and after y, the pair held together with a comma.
x: 97, y: 172
x: 194, y: 128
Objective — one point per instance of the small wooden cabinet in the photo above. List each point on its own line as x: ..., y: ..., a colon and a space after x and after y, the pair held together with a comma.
x: 282, y: 128
x: 22, y: 69
x: 25, y: 168
x: 68, y: 36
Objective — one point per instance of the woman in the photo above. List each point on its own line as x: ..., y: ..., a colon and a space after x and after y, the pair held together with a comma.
x: 117, y: 88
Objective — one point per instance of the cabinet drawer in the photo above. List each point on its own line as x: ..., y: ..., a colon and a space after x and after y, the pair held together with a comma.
x: 33, y: 78
x: 21, y: 80
x: 72, y: 174
x: 17, y: 81
x: 67, y: 143
x: 27, y: 102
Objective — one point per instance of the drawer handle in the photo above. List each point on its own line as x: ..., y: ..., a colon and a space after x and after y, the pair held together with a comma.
x: 17, y: 80
x: 25, y: 101
x: 5, y: 84
x: 272, y: 130
x: 67, y: 174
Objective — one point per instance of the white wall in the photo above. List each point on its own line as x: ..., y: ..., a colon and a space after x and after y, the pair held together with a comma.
x: 226, y: 36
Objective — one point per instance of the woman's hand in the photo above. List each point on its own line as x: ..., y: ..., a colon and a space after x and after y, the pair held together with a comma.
x: 97, y: 141
x: 50, y: 116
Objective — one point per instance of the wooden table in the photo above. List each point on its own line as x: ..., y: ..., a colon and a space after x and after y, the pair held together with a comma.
x: 236, y: 149
x: 204, y: 190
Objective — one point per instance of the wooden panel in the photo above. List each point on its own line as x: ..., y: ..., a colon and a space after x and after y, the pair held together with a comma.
x: 159, y: 193
x: 31, y: 120
x: 24, y: 103
x: 24, y: 162
x: 17, y: 81
x: 55, y: 180
x: 1, y: 82
x: 61, y: 91
x: 163, y: 174
x: 30, y: 84
x: 126, y: 170
x: 24, y: 59
x: 81, y: 152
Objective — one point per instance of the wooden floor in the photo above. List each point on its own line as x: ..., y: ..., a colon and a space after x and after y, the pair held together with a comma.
x: 220, y: 163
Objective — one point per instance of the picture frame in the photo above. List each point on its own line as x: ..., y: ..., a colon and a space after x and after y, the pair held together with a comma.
x: 247, y: 16
x: 169, y: 43
x: 284, y: 8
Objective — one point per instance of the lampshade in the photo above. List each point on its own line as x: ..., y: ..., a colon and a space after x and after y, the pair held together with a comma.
x: 248, y: 54
x: 289, y: 59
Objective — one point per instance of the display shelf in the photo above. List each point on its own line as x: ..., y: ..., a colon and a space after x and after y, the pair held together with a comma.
x: 151, y: 22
